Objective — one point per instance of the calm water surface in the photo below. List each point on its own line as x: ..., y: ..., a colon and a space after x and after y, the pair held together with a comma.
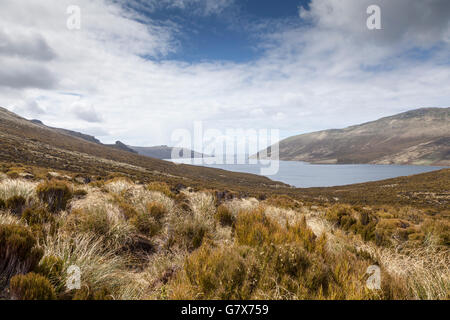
x: 305, y: 175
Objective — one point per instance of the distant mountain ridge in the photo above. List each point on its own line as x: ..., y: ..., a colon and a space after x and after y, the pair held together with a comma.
x: 157, y: 152
x: 417, y: 137
x: 24, y: 142
x: 165, y: 152
x: 121, y: 146
x: 69, y: 132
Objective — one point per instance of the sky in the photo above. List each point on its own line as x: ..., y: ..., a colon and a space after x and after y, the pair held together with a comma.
x: 136, y: 71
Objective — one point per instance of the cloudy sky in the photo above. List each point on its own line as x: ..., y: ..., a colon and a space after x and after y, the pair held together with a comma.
x: 137, y: 70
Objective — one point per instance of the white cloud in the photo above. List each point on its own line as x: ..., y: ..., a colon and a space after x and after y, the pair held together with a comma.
x: 329, y: 73
x: 198, y: 7
x: 86, y: 112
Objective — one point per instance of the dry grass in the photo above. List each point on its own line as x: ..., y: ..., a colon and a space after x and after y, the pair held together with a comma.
x: 100, y: 266
x: 8, y: 219
x: 16, y: 187
x: 134, y: 241
x: 424, y: 272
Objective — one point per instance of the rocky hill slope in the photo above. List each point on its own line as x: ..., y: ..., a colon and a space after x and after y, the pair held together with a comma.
x: 418, y: 137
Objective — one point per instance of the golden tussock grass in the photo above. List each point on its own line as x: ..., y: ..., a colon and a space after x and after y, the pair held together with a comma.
x: 138, y: 241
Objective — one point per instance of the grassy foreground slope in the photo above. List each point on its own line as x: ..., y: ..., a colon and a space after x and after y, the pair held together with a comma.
x: 146, y: 241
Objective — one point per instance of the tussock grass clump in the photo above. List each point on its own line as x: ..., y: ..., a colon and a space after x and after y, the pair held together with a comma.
x: 203, y: 205
x: 119, y: 185
x: 56, y: 194
x: 140, y: 198
x: 162, y: 267
x: 21, y: 188
x: 31, y: 287
x: 18, y: 251
x: 237, y: 205
x: 418, y: 273
x: 255, y: 228
x: 101, y: 267
x: 104, y: 220
x: 224, y: 216
x: 160, y: 187
x: 150, y: 222
x: 437, y: 231
x: 8, y: 219
x: 187, y: 233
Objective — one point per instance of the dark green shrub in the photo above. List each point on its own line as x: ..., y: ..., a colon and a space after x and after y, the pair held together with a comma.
x: 18, y: 252
x: 52, y: 267
x: 224, y: 216
x: 37, y: 216
x: 16, y: 204
x: 56, y: 194
x: 31, y: 286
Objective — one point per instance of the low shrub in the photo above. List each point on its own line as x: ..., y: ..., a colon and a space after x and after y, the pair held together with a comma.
x: 221, y: 273
x: 439, y: 229
x: 270, y: 272
x: 150, y: 221
x: 160, y: 187
x: 118, y: 185
x: 31, y: 286
x: 56, y: 194
x: 37, y: 216
x: 285, y: 202
x: 18, y: 251
x: 358, y: 221
x: 188, y: 233
x: 224, y: 216
x: 52, y: 267
x: 254, y: 228
x: 16, y: 204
